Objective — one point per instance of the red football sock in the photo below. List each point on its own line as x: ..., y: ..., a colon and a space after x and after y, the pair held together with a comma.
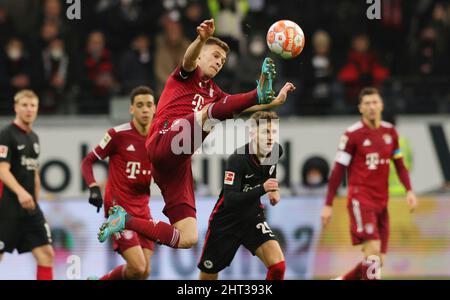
x: 232, y: 104
x: 116, y: 274
x: 354, y: 274
x: 157, y: 231
x: 276, y: 271
x: 44, y: 273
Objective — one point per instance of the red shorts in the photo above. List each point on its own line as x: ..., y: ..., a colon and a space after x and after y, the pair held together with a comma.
x: 172, y: 170
x: 368, y: 224
x: 129, y: 239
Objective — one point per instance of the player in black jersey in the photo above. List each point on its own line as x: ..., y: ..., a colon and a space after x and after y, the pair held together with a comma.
x: 22, y: 223
x: 238, y: 216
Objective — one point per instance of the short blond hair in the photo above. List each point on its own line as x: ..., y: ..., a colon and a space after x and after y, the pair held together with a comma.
x: 264, y: 115
x: 24, y: 94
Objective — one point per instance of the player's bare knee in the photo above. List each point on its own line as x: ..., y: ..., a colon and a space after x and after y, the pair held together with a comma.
x: 1, y: 257
x: 46, y: 256
x: 372, y: 248
x: 188, y: 241
x: 188, y: 238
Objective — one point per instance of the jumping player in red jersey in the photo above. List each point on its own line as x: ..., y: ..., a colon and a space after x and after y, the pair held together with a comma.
x: 366, y: 150
x: 128, y: 183
x: 190, y: 97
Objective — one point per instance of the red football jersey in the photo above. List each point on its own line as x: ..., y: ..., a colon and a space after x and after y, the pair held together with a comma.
x: 182, y: 95
x: 129, y: 177
x: 367, y: 153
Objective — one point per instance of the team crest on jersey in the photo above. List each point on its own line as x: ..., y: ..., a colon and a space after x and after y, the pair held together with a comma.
x: 369, y: 228
x: 229, y: 178
x: 343, y: 142
x: 127, y: 234
x: 3, y: 151
x: 36, y: 148
x: 208, y: 264
x: 387, y: 139
x: 272, y: 168
x: 104, y: 142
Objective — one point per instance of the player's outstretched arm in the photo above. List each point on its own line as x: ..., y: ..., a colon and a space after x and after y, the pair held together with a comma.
x: 205, y: 31
x: 279, y: 100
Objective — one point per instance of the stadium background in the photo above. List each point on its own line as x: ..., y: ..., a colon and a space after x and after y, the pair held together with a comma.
x: 83, y: 79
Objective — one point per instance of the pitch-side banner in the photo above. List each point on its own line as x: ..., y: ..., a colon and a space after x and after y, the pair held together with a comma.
x: 64, y: 144
x: 419, y: 246
x: 74, y: 225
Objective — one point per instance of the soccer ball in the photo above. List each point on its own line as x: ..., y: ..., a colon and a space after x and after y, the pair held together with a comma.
x: 286, y: 39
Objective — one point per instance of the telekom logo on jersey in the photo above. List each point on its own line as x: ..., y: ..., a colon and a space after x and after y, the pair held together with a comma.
x: 134, y: 168
x: 373, y: 160
x: 198, y: 102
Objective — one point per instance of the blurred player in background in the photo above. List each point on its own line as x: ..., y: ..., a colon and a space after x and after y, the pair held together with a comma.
x: 22, y: 223
x: 190, y: 96
x: 128, y: 183
x: 366, y: 150
x: 238, y: 216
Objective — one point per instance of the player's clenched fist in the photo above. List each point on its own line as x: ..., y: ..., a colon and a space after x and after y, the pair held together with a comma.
x: 271, y: 185
x: 206, y: 29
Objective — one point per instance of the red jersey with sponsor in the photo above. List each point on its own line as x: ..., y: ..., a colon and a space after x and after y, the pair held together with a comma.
x: 367, y: 153
x: 183, y: 94
x: 129, y: 176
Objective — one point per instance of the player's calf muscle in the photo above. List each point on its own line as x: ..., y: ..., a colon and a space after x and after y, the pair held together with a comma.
x: 206, y: 276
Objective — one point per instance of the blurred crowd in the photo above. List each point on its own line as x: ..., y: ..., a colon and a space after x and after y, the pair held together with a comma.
x: 79, y: 66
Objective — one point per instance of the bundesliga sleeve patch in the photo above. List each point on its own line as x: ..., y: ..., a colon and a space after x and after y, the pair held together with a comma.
x: 229, y: 178
x: 105, y: 141
x: 343, y: 142
x: 3, y: 151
